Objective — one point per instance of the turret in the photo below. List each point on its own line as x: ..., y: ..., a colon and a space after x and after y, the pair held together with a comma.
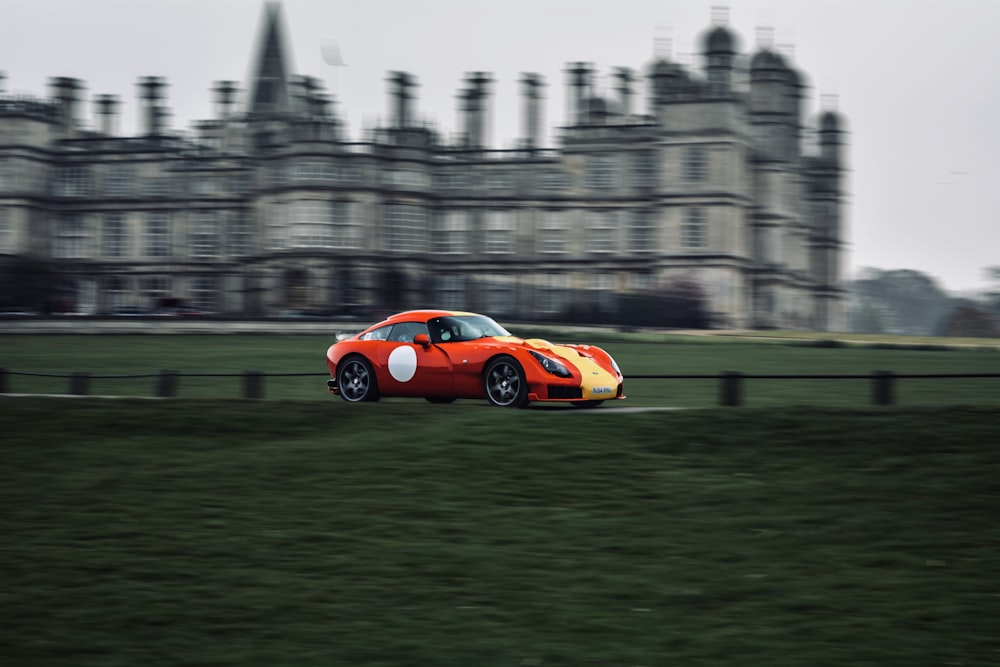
x: 66, y: 91
x: 532, y: 85
x: 719, y: 51
x: 107, y: 114
x: 153, y: 112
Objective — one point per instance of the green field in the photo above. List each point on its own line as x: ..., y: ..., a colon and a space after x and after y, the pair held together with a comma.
x: 234, y: 533
x: 637, y: 354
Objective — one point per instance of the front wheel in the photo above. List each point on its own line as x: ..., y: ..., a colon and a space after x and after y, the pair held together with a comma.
x: 505, y: 383
x: 356, y: 380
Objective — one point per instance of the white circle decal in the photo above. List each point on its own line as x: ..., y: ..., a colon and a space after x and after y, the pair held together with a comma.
x: 403, y: 363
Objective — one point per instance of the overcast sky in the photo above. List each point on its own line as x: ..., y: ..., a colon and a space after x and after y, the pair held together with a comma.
x: 916, y: 80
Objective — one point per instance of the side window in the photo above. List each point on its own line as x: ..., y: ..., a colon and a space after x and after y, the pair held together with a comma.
x: 404, y: 332
x: 382, y: 333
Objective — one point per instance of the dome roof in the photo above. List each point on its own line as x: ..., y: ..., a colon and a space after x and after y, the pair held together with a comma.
x: 767, y: 59
x: 720, y: 40
x: 663, y: 67
x: 829, y: 122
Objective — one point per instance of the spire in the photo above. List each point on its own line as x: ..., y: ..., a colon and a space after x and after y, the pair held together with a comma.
x: 269, y: 85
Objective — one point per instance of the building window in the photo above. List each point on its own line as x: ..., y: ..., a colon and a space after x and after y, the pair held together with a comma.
x: 350, y: 174
x: 552, y: 293
x: 498, y: 232
x: 553, y: 232
x: 156, y: 239
x: 73, y: 182
x: 115, y: 236
x: 500, y: 181
x: 693, y: 231
x: 406, y: 178
x: 348, y: 232
x: 311, y: 224
x: 451, y: 232
x: 553, y: 180
x: 72, y: 240
x: 449, y: 292
x: 641, y: 237
x: 240, y: 183
x: 238, y: 233
x: 205, y: 294
x: 405, y: 228
x: 119, y: 180
x: 695, y: 164
x: 158, y: 186
x: 601, y: 172
x: 204, y: 183
x: 453, y: 181
x: 117, y: 294
x: 7, y: 173
x: 602, y: 230
x: 6, y: 232
x: 315, y: 171
x: 154, y: 290
x: 205, y: 240
x: 499, y: 297
x: 603, y: 290
x: 644, y: 172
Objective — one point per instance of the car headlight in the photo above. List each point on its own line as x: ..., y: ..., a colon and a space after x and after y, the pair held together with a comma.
x: 614, y: 365
x: 551, y: 365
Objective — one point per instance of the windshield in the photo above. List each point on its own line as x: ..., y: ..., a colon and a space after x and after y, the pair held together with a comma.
x: 457, y: 328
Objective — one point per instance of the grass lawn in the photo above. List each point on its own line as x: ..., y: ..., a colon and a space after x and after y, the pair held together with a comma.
x: 235, y: 533
x: 637, y: 354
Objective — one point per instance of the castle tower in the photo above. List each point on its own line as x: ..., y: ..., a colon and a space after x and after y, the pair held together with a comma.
x: 269, y: 88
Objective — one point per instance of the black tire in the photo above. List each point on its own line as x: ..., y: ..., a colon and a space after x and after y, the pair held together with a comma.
x: 505, y: 384
x: 586, y: 404
x: 356, y: 380
x: 440, y: 399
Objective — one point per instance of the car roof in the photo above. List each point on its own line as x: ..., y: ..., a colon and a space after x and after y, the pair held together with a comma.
x: 421, y: 315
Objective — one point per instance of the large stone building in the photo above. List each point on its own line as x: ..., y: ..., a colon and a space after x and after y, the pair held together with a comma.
x: 270, y: 208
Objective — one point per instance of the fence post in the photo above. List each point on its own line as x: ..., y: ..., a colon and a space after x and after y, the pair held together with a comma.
x: 731, y: 388
x: 79, y: 384
x: 253, y: 384
x: 166, y: 384
x: 883, y: 388
x: 3, y: 381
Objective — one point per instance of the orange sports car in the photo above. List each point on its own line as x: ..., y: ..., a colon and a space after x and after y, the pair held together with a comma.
x: 443, y: 355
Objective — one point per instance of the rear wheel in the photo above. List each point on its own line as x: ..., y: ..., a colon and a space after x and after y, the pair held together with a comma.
x: 505, y: 383
x: 356, y: 380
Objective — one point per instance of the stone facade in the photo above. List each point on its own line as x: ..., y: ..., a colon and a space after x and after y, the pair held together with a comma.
x: 268, y: 208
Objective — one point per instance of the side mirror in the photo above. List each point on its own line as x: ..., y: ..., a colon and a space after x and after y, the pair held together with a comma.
x: 422, y: 340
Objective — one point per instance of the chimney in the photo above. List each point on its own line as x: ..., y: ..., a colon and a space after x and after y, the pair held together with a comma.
x: 532, y: 85
x: 225, y: 98
x: 107, y: 114
x: 400, y: 96
x: 150, y: 96
x: 625, y: 77
x: 475, y: 108
x: 66, y: 90
x: 580, y: 90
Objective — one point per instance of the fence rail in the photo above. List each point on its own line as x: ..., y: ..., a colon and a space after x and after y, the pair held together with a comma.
x: 883, y: 383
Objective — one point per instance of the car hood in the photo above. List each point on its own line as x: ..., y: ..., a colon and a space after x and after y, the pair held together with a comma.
x: 568, y: 352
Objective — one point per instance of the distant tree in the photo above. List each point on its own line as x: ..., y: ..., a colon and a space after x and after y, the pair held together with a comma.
x: 968, y: 321
x: 992, y: 296
x: 900, y: 300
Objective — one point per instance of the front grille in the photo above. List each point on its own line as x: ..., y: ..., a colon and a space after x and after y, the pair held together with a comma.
x: 558, y: 391
x: 621, y: 390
